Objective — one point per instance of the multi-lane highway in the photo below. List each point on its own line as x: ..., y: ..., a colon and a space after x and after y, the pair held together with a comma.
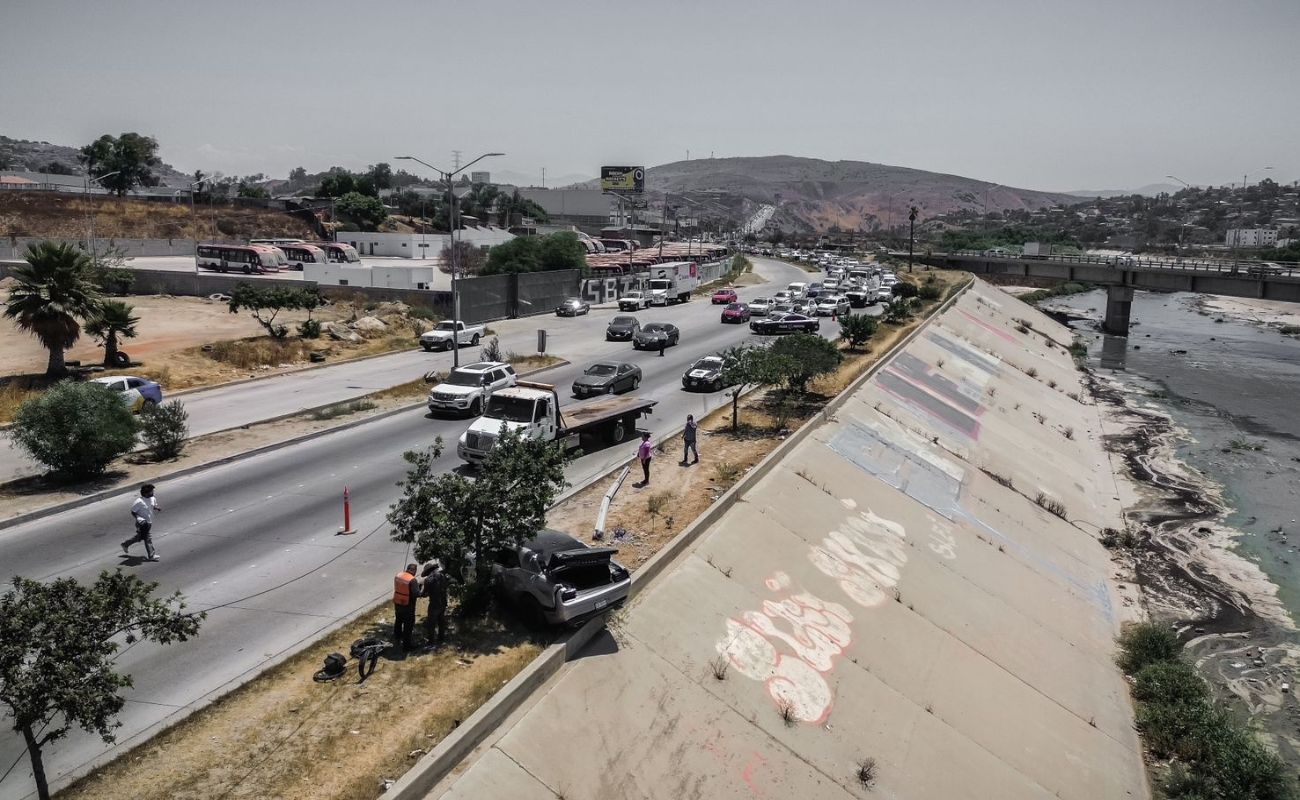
x: 254, y: 542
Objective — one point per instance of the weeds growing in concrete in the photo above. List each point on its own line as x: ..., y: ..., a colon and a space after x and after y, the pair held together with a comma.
x: 1032, y: 372
x: 719, y: 666
x: 1041, y: 418
x: 1067, y: 432
x: 866, y: 772
x: 1005, y: 480
x: 1050, y: 504
x: 1022, y: 328
x: 786, y: 709
x: 1051, y: 384
x: 342, y: 409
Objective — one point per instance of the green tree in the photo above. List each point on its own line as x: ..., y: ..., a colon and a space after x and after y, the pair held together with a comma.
x: 520, y: 254
x: 366, y: 210
x: 857, y: 329
x: 563, y: 250
x: 125, y: 161
x: 55, y: 292
x: 745, y: 367
x: 479, y: 201
x: 463, y: 522
x: 904, y: 289
x: 803, y: 356
x: 113, y: 319
x: 58, y: 646
x: 265, y: 303
x: 469, y: 258
x: 76, y: 429
x: 512, y: 208
x: 164, y: 429
x: 381, y: 175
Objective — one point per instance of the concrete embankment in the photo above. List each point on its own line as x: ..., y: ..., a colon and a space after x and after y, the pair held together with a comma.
x: 874, y: 597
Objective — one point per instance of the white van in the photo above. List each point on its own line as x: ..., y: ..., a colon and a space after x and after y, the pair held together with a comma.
x: 797, y: 290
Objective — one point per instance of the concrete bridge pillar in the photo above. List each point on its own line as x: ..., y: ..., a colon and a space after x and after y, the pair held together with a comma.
x: 1119, y: 305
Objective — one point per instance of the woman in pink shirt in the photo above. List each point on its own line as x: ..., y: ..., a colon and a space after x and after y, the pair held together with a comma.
x: 644, y: 453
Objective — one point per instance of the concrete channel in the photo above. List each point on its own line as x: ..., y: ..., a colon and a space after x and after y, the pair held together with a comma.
x: 887, y: 587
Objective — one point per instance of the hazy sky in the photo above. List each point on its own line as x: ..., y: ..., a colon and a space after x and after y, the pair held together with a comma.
x: 1032, y: 93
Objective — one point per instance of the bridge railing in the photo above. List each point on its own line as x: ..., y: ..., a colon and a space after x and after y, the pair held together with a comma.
x: 1254, y: 269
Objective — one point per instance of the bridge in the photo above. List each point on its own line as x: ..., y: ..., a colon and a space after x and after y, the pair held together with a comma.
x: 1121, y: 275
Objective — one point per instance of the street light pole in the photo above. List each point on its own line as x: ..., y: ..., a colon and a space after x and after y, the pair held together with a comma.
x: 911, y: 237
x: 1241, y: 199
x: 90, y: 240
x: 451, y: 243
x: 194, y: 228
x: 1182, y: 226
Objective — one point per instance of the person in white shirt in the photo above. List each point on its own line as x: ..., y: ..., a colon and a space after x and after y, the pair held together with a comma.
x: 142, y: 510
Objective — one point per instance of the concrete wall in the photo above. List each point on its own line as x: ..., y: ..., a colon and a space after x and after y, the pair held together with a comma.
x: 608, y: 289
x: 16, y: 246
x: 387, y: 277
x: 419, y: 245
x: 873, y: 594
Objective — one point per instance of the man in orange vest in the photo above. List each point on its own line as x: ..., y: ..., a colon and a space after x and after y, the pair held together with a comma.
x: 406, y: 587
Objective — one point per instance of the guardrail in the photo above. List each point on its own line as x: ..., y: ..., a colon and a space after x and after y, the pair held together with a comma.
x: 1253, y: 269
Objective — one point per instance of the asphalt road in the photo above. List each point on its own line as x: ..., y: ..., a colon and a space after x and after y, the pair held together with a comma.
x: 254, y: 544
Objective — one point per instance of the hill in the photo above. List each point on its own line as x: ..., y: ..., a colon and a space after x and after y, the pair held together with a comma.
x: 813, y: 195
x: 67, y: 216
x: 26, y: 155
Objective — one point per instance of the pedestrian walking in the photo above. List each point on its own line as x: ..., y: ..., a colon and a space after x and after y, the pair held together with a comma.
x: 142, y: 511
x: 688, y: 441
x: 663, y: 343
x: 643, y: 454
x: 406, y: 588
x: 434, y: 586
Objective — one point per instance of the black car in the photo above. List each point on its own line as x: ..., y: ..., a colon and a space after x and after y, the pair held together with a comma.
x: 786, y: 323
x: 705, y: 374
x: 813, y: 290
x: 572, y: 308
x: 650, y: 336
x: 607, y: 377
x: 622, y: 329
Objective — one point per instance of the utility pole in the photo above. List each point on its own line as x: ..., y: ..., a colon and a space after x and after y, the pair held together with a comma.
x: 911, y: 237
x: 543, y: 177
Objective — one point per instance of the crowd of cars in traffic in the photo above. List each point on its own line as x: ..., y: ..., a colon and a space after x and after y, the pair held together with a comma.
x: 798, y: 308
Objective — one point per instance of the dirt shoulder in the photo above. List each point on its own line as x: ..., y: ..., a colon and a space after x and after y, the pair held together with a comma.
x: 282, y: 735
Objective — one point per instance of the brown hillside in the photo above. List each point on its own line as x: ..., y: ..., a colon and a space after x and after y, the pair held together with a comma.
x: 68, y: 216
x: 814, y: 194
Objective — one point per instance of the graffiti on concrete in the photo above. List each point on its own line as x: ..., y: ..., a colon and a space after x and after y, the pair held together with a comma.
x: 815, y: 632
x: 794, y: 642
x: 607, y: 290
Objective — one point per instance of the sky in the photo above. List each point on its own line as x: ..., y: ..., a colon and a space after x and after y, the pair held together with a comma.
x: 1040, y: 94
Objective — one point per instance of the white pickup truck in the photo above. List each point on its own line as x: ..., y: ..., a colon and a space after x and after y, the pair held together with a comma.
x: 534, y: 410
x: 445, y: 332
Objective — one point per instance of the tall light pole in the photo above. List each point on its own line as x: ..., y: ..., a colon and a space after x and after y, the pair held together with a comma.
x: 911, y: 237
x: 1241, y: 199
x: 194, y: 222
x: 1182, y: 226
x: 90, y: 239
x: 451, y: 241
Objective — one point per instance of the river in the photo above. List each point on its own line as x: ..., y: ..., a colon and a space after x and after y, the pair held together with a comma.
x: 1210, y: 400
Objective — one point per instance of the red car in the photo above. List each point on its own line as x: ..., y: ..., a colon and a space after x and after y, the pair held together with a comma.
x: 723, y: 296
x: 736, y: 312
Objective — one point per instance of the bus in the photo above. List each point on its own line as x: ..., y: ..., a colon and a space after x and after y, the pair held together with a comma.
x: 339, y: 253
x: 275, y: 242
x: 237, y: 257
x: 300, y: 254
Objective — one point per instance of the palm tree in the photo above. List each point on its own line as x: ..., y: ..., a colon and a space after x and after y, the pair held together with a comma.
x: 54, y: 294
x: 115, y: 318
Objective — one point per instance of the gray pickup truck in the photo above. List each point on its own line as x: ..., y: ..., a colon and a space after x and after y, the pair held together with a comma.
x: 556, y: 579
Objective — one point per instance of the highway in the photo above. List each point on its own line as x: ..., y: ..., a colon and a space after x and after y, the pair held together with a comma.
x: 254, y: 542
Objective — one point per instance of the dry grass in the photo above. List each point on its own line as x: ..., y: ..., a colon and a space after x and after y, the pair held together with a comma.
x: 64, y: 216
x: 534, y: 361
x: 403, y: 391
x: 14, y: 391
x: 285, y: 736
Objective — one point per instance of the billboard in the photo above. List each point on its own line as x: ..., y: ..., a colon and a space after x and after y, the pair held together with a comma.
x: 622, y: 180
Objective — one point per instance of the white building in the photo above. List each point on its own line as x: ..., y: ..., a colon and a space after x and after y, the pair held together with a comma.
x: 419, y: 245
x: 387, y: 276
x: 1251, y: 237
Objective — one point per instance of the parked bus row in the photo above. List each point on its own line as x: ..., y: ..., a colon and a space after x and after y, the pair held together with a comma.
x: 272, y: 255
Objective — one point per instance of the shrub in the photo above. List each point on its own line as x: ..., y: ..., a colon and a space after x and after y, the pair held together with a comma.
x: 309, y: 329
x: 76, y: 429
x: 1169, y: 682
x: 905, y: 289
x: 492, y: 352
x: 857, y: 329
x: 1144, y: 644
x: 930, y: 291
x: 164, y: 429
x: 802, y: 357
x: 898, y: 312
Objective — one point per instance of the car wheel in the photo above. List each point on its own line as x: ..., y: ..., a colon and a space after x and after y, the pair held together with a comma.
x: 476, y: 407
x: 717, y: 385
x: 636, y: 383
x: 149, y: 403
x: 473, y: 342
x: 618, y: 431
x: 248, y: 270
x: 428, y: 348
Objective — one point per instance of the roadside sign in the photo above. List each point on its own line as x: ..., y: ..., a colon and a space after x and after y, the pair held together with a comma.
x: 622, y: 180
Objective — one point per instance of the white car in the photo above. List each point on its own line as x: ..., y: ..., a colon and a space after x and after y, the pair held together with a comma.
x: 884, y: 295
x: 782, y: 297
x: 136, y: 392
x: 467, y: 389
x: 832, y: 305
x: 830, y: 286
x: 759, y: 307
x: 634, y: 301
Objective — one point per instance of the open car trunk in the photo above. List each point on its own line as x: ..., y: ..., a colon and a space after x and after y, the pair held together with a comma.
x: 582, y: 569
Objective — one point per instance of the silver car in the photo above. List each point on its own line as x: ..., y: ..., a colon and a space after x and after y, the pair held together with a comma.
x: 556, y: 579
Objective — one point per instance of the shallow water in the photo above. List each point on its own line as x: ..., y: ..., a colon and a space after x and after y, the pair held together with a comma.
x: 1235, y: 388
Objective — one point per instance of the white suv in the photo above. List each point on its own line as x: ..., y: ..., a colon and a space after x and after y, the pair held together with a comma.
x: 467, y: 389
